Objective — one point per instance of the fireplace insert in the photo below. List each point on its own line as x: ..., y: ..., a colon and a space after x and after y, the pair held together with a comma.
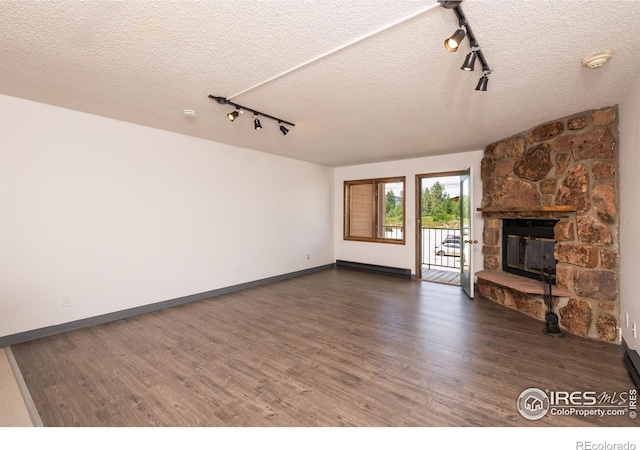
x: 527, y: 248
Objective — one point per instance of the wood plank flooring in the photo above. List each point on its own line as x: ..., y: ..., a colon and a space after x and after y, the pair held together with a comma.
x: 334, y: 348
x: 441, y: 276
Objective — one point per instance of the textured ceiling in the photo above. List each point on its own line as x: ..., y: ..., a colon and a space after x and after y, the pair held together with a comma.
x: 396, y: 94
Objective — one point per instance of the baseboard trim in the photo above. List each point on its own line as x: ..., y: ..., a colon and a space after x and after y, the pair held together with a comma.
x: 632, y: 361
x: 123, y: 314
x: 373, y: 268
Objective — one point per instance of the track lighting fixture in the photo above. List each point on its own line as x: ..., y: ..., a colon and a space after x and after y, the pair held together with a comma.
x: 233, y: 115
x: 256, y: 121
x: 469, y: 61
x: 482, y: 83
x: 453, y: 43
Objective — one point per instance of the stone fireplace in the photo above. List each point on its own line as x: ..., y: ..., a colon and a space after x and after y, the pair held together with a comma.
x: 565, y: 172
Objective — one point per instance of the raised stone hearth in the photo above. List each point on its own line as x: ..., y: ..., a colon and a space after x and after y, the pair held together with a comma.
x: 517, y: 283
x: 566, y: 170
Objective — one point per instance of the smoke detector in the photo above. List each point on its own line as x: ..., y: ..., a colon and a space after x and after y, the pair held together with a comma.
x: 596, y: 60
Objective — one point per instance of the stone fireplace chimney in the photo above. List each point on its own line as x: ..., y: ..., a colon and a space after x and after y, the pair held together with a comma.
x: 564, y: 170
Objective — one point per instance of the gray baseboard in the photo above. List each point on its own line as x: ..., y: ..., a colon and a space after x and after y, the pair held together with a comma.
x: 110, y: 317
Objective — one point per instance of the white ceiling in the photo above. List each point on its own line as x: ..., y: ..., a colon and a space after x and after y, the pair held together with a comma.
x: 394, y: 95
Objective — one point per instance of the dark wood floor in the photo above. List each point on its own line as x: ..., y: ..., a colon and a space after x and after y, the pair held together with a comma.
x: 335, y: 348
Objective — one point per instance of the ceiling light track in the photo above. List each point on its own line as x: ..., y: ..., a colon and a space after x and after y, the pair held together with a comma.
x: 233, y: 115
x: 452, y: 43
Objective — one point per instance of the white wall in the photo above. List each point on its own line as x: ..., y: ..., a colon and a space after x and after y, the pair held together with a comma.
x: 117, y: 215
x: 629, y: 110
x: 403, y: 256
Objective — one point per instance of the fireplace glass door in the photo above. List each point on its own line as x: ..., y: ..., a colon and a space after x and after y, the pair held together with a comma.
x: 531, y: 254
x: 528, y: 248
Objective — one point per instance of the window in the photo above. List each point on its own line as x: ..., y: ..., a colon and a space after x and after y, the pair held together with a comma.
x: 374, y: 210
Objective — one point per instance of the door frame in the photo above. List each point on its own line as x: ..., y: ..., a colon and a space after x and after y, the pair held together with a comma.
x: 418, y: 202
x: 466, y: 247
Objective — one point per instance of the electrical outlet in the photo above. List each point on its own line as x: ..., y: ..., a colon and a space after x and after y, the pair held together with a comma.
x: 307, y: 256
x: 66, y: 301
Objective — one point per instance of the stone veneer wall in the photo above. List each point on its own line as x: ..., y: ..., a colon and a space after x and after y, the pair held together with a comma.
x: 572, y: 161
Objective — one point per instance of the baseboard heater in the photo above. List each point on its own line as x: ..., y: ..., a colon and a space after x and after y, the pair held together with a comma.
x: 372, y: 268
x: 632, y: 361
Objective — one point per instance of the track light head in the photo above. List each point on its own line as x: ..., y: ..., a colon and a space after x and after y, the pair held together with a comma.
x: 256, y: 122
x: 453, y: 42
x: 284, y: 129
x: 233, y: 115
x: 469, y: 62
x: 482, y: 83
